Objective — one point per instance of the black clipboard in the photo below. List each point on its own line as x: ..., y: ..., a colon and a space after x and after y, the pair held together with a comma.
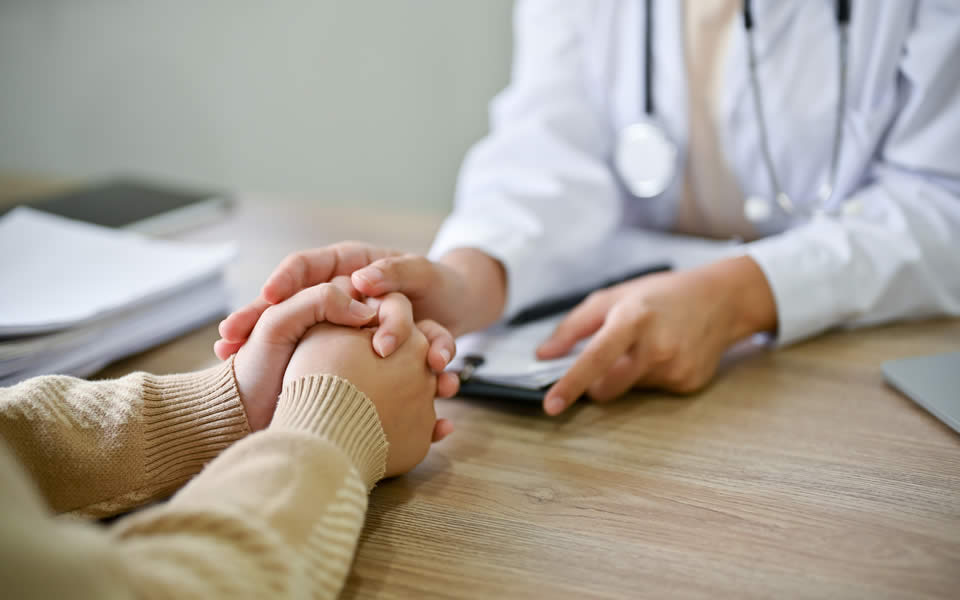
x: 478, y: 387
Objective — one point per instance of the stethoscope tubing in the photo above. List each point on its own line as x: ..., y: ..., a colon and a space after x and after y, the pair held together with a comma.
x: 782, y: 200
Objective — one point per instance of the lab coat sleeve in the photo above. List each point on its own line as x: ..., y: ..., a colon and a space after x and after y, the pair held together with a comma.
x: 537, y: 191
x: 900, y: 256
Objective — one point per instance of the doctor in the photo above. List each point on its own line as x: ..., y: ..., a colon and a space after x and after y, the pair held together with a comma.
x: 824, y: 135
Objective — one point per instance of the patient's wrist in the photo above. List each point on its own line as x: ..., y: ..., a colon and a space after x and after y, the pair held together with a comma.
x: 332, y: 407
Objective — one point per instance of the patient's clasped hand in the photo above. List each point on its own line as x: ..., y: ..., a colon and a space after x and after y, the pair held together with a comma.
x: 269, y: 457
x: 289, y: 332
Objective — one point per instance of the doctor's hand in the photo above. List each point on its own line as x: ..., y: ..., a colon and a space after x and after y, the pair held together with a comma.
x: 664, y: 331
x: 464, y: 291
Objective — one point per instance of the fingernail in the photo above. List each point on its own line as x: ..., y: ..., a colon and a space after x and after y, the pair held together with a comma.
x: 445, y: 355
x: 361, y: 310
x: 555, y: 405
x: 546, y: 347
x: 386, y: 345
x: 371, y: 275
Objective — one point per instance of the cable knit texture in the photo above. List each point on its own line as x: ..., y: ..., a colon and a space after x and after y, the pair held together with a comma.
x: 275, y: 514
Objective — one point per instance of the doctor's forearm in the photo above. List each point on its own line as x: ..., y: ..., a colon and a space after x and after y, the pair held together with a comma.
x: 485, y: 293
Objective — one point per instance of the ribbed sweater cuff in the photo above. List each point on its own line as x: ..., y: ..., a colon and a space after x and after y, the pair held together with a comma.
x: 332, y: 407
x: 188, y: 419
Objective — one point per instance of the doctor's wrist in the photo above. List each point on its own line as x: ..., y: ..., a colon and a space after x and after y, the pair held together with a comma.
x: 484, y: 281
x: 750, y: 301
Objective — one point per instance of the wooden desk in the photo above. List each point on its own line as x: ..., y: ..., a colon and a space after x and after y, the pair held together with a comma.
x: 797, y: 474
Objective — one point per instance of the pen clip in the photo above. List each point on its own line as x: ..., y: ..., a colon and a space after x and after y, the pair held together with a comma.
x: 470, y: 364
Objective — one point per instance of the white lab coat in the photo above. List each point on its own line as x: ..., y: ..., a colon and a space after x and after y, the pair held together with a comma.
x: 541, y: 186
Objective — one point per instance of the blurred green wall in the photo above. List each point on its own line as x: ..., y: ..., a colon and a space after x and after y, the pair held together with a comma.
x: 340, y: 101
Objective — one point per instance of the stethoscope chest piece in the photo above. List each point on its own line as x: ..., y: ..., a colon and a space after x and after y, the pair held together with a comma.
x: 646, y: 159
x: 757, y: 209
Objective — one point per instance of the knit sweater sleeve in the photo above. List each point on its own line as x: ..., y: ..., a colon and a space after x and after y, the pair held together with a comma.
x: 277, y: 514
x: 96, y: 448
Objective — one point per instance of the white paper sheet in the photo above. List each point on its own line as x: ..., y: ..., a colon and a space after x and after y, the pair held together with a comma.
x: 509, y: 355
x: 57, y: 273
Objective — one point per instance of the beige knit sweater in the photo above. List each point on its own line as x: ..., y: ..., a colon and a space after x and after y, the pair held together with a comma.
x: 273, y: 514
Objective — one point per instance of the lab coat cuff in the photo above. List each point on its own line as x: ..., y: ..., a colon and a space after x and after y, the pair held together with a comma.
x: 801, y: 276
x: 517, y: 255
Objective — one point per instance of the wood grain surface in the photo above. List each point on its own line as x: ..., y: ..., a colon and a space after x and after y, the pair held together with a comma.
x: 797, y: 474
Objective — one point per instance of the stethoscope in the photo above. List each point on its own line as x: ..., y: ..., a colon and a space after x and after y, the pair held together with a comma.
x: 647, y: 158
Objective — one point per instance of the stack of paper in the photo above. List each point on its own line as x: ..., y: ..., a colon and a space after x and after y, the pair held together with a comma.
x: 75, y: 297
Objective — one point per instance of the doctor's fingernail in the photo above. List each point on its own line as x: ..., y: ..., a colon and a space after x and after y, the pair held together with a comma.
x: 555, y: 405
x: 371, y: 275
x: 386, y: 345
x: 361, y: 310
x: 445, y: 355
x: 550, y: 345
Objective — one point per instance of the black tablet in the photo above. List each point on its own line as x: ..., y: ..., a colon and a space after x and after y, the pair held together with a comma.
x: 141, y: 205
